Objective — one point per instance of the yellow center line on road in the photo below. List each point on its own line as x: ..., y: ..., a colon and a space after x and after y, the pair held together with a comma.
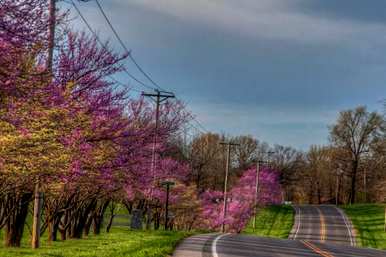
x: 322, y: 226
x: 315, y: 249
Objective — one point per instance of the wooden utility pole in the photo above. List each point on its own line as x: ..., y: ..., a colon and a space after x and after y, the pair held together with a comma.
x: 228, y: 163
x: 269, y: 154
x: 337, y: 190
x: 38, y: 195
x: 365, y: 185
x: 384, y: 227
x: 51, y: 34
x: 158, y: 97
x: 256, y: 194
x: 258, y: 164
x: 167, y: 184
x: 38, y: 202
x: 338, y: 176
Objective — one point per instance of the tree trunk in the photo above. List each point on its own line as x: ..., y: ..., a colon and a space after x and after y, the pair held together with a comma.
x: 310, y: 194
x: 98, y: 216
x: 353, y: 181
x: 77, y: 227
x: 157, y: 218
x: 13, y: 234
x: 319, y: 194
x: 112, y: 215
x: 53, y: 227
x: 198, y: 179
x: 63, y: 226
x: 80, y: 218
x: 108, y: 227
x: 97, y: 225
x: 87, y: 226
x: 148, y: 217
x: 63, y: 234
x: 15, y: 226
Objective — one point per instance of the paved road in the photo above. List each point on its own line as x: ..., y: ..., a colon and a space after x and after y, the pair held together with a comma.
x: 318, y: 231
x: 322, y: 223
x: 233, y: 245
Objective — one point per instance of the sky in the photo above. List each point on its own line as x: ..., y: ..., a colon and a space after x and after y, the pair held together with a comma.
x: 279, y: 70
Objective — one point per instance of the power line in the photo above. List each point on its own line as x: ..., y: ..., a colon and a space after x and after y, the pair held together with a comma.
x: 104, y: 46
x: 124, y: 85
x: 197, y: 129
x: 194, y: 118
x: 200, y: 124
x: 133, y: 59
x: 112, y: 27
x: 86, y: 22
x: 137, y: 80
x: 200, y: 127
x: 124, y: 46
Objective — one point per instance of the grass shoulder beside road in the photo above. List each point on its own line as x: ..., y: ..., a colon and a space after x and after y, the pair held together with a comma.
x: 368, y: 220
x: 119, y: 242
x: 273, y: 221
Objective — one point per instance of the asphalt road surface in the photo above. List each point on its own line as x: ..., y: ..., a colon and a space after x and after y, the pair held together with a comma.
x: 233, y: 245
x: 318, y: 231
x: 324, y: 224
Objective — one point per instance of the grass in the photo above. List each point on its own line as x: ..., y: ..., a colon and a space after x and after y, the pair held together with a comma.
x: 122, y: 217
x: 368, y: 220
x: 119, y: 242
x: 273, y: 221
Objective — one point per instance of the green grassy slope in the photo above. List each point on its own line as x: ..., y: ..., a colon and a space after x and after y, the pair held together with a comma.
x: 368, y: 220
x: 120, y: 242
x: 273, y: 221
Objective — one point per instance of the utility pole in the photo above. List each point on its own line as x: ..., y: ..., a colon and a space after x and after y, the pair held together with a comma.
x: 185, y: 148
x: 38, y: 202
x: 338, y: 175
x: 38, y: 195
x: 269, y: 154
x: 51, y: 34
x: 365, y: 184
x: 167, y: 184
x: 384, y: 227
x: 258, y: 164
x: 256, y: 192
x: 228, y: 162
x: 158, y: 97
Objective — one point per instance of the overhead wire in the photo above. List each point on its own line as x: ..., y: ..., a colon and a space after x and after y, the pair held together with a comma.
x: 199, y: 128
x: 133, y: 59
x: 104, y: 46
x: 125, y: 85
x: 200, y: 124
x: 129, y: 52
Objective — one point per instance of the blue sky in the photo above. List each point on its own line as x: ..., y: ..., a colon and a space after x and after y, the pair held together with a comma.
x: 279, y: 70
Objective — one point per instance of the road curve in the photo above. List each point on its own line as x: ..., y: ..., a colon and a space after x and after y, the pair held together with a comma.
x: 319, y: 230
x: 324, y: 224
x: 235, y: 245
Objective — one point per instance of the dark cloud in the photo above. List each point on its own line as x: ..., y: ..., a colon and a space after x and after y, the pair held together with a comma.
x: 357, y: 10
x: 298, y: 59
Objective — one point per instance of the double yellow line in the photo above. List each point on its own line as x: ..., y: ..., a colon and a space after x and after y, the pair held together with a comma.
x: 323, y: 232
x: 316, y: 249
x: 322, y: 226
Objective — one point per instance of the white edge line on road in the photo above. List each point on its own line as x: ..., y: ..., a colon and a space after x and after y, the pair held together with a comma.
x: 298, y: 213
x: 352, y: 241
x: 214, y: 244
